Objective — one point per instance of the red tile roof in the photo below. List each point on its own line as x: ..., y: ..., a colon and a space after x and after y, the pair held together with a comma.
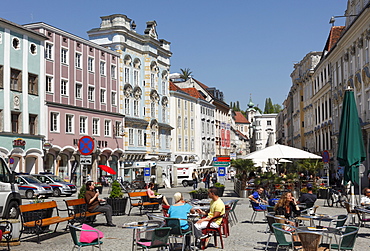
x: 193, y: 92
x: 239, y: 118
x: 201, y: 84
x: 174, y: 87
x: 335, y: 33
x: 241, y: 134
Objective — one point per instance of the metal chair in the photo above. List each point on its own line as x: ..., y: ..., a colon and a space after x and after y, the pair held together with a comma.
x: 280, y: 230
x: 159, y: 238
x: 347, y: 239
x: 255, y: 211
x: 232, y: 215
x: 270, y: 230
x: 213, y: 231
x: 178, y: 232
x: 77, y: 244
x: 350, y: 212
x: 361, y: 216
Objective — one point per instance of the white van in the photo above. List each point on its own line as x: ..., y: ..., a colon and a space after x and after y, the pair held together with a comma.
x: 184, y: 174
x: 10, y: 199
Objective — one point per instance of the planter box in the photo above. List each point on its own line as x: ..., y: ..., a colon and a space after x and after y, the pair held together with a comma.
x: 118, y: 205
x: 199, y: 196
x: 220, y: 191
x: 323, y: 193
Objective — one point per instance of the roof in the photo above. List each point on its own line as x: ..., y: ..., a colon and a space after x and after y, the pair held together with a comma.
x: 239, y: 118
x: 174, y: 87
x: 25, y: 29
x: 193, y: 92
x: 334, y: 36
x: 201, y: 84
x: 241, y: 134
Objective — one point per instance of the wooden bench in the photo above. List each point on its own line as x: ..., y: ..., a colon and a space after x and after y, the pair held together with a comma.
x: 35, y: 217
x: 140, y: 200
x: 77, y: 209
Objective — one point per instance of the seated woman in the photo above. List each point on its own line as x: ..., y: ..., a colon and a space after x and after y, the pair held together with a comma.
x: 153, y: 197
x: 180, y: 210
x: 288, y: 207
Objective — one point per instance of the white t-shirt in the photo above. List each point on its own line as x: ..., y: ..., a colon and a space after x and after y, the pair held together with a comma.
x: 365, y: 200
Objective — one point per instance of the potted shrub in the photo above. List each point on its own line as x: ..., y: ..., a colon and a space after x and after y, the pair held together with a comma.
x: 220, y: 188
x: 116, y: 199
x: 201, y: 193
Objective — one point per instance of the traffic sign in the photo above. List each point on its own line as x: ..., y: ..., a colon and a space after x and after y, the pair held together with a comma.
x: 221, y: 171
x: 86, y: 160
x: 325, y: 156
x: 11, y: 160
x: 86, y: 145
x: 224, y: 159
x: 219, y: 163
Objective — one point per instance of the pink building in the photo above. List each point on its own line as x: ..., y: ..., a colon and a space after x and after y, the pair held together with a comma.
x: 81, y: 94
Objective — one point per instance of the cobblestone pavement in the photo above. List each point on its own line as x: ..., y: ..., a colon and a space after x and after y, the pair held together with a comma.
x: 243, y: 236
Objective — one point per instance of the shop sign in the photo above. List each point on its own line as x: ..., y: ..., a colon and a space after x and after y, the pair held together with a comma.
x: 47, y: 146
x: 19, y: 143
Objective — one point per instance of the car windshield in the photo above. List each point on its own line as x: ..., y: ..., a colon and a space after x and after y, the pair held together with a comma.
x: 56, y: 178
x: 31, y: 179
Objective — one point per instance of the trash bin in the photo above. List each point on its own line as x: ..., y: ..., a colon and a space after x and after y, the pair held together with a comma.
x: 243, y: 193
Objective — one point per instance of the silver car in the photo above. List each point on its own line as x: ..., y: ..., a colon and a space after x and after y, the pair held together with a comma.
x: 29, y: 186
x: 59, y: 186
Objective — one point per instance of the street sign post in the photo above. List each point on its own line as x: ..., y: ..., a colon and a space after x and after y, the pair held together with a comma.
x: 86, y: 159
x: 221, y: 174
x: 224, y: 164
x: 86, y: 145
x: 147, y: 174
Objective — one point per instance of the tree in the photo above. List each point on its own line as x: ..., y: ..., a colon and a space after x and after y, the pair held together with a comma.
x: 310, y: 166
x: 237, y: 105
x: 185, y: 74
x: 277, y: 108
x: 243, y: 168
x: 269, y: 108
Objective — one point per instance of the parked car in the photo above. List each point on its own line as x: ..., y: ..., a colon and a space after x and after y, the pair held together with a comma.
x: 59, y: 186
x: 29, y: 186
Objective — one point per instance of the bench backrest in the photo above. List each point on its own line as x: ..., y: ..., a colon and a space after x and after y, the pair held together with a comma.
x: 137, y: 194
x: 37, y: 206
x: 75, y: 202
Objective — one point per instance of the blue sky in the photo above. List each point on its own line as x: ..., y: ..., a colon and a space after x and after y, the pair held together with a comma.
x: 241, y: 47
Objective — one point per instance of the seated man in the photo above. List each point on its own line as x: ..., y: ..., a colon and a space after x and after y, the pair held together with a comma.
x: 217, y: 208
x: 257, y: 200
x: 365, y: 200
x: 308, y: 198
x: 93, y: 203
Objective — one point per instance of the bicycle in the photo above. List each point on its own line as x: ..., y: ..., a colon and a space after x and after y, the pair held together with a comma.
x: 337, y: 195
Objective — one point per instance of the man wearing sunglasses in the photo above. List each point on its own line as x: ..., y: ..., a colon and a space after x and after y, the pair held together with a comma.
x: 365, y: 200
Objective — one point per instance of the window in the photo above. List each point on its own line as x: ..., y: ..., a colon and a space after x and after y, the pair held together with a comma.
x: 152, y: 80
x: 185, y: 123
x: 167, y: 140
x: 102, y: 96
x: 152, y: 110
x: 192, y: 144
x: 83, y: 123
x: 127, y: 106
x: 102, y: 68
x: 15, y: 80
x: 78, y: 90
x: 16, y: 43
x: 185, y: 105
x: 113, y: 71
x: 192, y: 107
x: 130, y: 136
x: 179, y: 143
x: 54, y: 122
x: 139, y: 137
x: 78, y: 60
x: 90, y: 93
x: 95, y: 126
x: 192, y: 123
x: 33, y: 84
x: 15, y: 122
x: 49, y: 84
x: 49, y: 51
x: 136, y: 108
x: 163, y: 87
x: 268, y: 122
x: 114, y: 98
x: 179, y: 121
x: 1, y: 75
x: 127, y: 75
x: 69, y: 123
x: 32, y: 119
x: 63, y: 88
x: 186, y: 144
x: 118, y: 129
x: 164, y: 115
x: 179, y: 103
x: 136, y: 77
x: 153, y: 140
x: 63, y: 56
x: 107, y: 128
x: 33, y: 49
x: 90, y: 64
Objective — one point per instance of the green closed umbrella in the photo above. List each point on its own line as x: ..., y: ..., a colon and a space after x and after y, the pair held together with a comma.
x: 351, y: 150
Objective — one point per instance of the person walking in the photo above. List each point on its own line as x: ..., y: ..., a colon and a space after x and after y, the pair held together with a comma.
x: 194, y: 176
x: 207, y: 179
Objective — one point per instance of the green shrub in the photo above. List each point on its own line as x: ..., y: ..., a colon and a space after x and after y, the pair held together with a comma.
x: 200, y: 190
x: 218, y: 184
x: 116, y: 191
x: 82, y: 192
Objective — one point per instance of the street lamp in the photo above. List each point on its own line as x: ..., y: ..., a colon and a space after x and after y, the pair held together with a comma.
x: 332, y: 19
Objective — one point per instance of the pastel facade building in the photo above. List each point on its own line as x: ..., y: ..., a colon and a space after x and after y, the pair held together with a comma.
x: 81, y: 88
x: 143, y: 92
x: 22, y: 113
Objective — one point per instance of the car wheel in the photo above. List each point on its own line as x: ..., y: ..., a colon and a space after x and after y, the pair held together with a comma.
x: 56, y: 192
x: 29, y: 194
x: 185, y: 183
x: 12, y: 212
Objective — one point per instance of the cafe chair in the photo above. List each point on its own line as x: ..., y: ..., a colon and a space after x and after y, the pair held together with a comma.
x: 76, y: 238
x: 339, y: 220
x: 280, y: 231
x: 232, y: 215
x: 177, y: 232
x: 255, y: 211
x: 213, y: 231
x: 347, y: 239
x: 6, y: 228
x: 159, y: 239
x: 361, y: 217
x: 270, y: 230
x: 311, y: 241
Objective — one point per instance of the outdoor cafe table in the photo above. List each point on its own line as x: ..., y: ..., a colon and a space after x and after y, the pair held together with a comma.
x: 325, y: 230
x: 319, y: 217
x: 136, y: 226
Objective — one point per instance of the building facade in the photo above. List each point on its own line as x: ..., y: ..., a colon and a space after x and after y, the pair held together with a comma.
x: 22, y: 112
